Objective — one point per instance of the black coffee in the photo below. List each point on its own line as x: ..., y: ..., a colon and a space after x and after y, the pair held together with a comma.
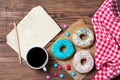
x: 36, y: 57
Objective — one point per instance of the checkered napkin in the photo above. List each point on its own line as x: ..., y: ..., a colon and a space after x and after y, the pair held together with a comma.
x: 106, y: 23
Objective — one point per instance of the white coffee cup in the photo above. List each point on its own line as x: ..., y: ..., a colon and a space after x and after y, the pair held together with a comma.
x: 37, y: 58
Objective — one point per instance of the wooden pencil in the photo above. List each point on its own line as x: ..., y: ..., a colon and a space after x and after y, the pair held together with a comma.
x: 18, y: 42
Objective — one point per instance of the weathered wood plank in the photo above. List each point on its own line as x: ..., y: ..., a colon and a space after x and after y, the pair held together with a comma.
x: 62, y: 11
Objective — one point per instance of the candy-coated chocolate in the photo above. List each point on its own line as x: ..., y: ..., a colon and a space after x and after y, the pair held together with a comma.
x: 55, y: 74
x: 61, y: 76
x: 48, y: 77
x: 68, y: 67
x: 73, y: 74
x: 55, y: 65
x: 65, y: 26
x: 59, y: 67
x: 67, y: 34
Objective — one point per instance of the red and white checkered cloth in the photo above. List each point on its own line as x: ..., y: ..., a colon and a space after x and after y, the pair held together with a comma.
x: 106, y: 23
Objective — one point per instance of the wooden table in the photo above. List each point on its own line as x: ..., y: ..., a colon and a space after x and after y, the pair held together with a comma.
x: 62, y: 11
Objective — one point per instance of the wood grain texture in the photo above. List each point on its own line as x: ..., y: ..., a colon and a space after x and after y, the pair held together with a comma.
x: 74, y: 27
x: 62, y: 11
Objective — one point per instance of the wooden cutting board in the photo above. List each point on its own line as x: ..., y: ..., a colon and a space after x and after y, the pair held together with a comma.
x: 79, y: 24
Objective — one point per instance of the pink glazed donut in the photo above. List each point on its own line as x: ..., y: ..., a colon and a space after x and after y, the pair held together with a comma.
x: 83, y: 68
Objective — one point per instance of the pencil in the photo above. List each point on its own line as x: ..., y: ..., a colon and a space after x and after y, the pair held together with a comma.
x: 18, y: 42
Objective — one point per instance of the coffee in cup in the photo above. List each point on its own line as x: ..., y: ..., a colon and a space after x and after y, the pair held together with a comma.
x: 37, y: 58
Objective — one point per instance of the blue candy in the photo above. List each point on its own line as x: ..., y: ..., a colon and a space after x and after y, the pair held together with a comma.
x: 61, y: 76
x: 73, y: 74
x: 55, y: 65
x: 67, y: 34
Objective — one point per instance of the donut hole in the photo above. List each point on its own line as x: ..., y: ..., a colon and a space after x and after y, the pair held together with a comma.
x: 83, y: 61
x: 63, y: 49
x: 83, y: 36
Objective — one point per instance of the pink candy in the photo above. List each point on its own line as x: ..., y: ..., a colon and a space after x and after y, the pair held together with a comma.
x: 65, y: 26
x: 48, y: 77
x: 59, y: 67
x: 56, y: 74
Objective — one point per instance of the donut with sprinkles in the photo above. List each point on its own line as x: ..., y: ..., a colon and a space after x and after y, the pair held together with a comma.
x: 87, y: 66
x: 83, y: 43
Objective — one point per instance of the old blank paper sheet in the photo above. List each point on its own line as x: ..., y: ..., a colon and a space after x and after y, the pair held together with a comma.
x: 36, y: 29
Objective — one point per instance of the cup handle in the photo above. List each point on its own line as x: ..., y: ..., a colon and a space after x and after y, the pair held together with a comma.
x: 44, y: 69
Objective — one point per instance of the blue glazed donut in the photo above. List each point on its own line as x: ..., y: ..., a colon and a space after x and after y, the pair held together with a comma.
x: 62, y: 55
